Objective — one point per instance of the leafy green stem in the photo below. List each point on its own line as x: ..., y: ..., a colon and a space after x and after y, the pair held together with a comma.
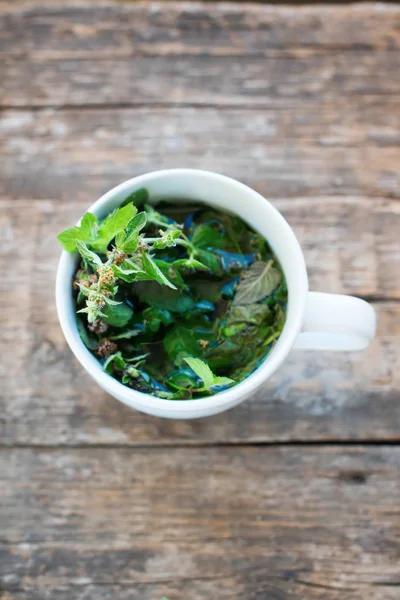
x: 179, y: 241
x: 272, y: 337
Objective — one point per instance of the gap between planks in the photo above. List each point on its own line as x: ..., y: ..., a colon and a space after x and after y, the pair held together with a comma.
x: 315, y: 444
x: 100, y: 106
x: 277, y: 3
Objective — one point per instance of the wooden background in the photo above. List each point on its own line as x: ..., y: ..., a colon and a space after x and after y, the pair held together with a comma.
x: 294, y: 494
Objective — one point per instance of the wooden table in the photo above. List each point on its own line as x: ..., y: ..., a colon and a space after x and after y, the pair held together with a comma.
x: 294, y: 494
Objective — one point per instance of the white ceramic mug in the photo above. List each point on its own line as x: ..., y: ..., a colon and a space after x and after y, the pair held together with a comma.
x: 314, y: 320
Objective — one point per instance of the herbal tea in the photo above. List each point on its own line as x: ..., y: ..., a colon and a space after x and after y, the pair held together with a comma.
x: 179, y: 302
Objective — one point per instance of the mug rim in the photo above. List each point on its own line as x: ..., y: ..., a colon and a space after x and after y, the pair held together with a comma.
x: 134, y: 398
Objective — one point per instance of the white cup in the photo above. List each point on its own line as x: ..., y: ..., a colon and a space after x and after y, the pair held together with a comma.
x: 314, y: 320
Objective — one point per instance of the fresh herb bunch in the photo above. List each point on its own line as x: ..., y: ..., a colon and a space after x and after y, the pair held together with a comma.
x: 179, y: 302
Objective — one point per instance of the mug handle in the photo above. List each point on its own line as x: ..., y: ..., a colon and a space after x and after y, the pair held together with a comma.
x: 336, y: 322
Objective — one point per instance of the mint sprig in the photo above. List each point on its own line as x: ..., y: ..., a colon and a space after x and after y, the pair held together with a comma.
x: 117, y: 221
x: 92, y: 239
x: 85, y: 232
x: 203, y: 371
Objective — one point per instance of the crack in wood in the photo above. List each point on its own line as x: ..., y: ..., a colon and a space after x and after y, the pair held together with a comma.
x: 319, y: 444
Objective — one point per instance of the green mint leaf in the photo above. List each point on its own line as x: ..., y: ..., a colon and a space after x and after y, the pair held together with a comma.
x: 88, y: 254
x: 128, y: 271
x: 241, y: 317
x: 206, y: 236
x: 109, y: 301
x: 130, y: 244
x: 280, y: 295
x: 202, y: 370
x: 126, y: 379
x: 167, y: 240
x: 88, y: 224
x: 117, y: 315
x: 244, y: 317
x: 153, y: 216
x: 138, y: 198
x: 180, y: 343
x: 126, y: 335
x: 85, y: 232
x: 252, y: 314
x: 181, y: 380
x: 155, y: 272
x: 258, y: 282
x: 83, y: 289
x: 160, y: 244
x: 173, y: 300
x: 277, y: 326
x: 232, y: 330
x: 171, y: 273
x: 190, y: 264
x: 165, y: 396
x: 138, y: 360
x: 136, y: 224
x: 128, y: 240
x: 114, y: 361
x: 222, y: 381
x: 130, y: 265
x: 119, y: 238
x: 210, y: 260
x: 115, y: 222
x: 132, y: 372
x: 93, y: 312
x: 154, y: 317
x: 86, y: 339
x: 280, y: 317
x: 206, y: 289
x: 240, y: 349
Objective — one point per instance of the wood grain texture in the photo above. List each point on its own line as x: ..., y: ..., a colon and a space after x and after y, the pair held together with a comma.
x: 197, y: 53
x: 350, y: 247
x: 114, y: 28
x: 87, y: 3
x: 227, y: 523
x: 281, y: 153
x: 303, y: 105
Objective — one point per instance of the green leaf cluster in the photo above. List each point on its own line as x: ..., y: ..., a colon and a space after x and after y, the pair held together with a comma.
x: 178, y: 301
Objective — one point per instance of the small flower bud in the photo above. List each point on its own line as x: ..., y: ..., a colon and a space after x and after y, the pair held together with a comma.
x: 99, y: 302
x: 106, y: 348
x: 142, y: 246
x: 119, y: 257
x: 98, y: 326
x: 107, y: 277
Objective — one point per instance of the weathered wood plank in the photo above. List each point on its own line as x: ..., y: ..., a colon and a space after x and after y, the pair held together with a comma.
x: 111, y: 29
x: 201, y: 588
x: 228, y: 523
x: 350, y: 246
x: 72, y: 3
x: 48, y: 399
x: 197, y: 53
x: 200, y: 80
x: 281, y: 153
